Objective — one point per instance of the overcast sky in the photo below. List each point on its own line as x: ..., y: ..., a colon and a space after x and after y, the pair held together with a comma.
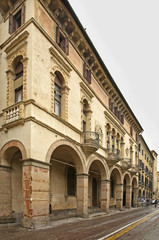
x: 126, y: 35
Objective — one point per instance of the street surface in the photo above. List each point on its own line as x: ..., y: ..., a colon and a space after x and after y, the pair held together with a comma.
x: 134, y: 224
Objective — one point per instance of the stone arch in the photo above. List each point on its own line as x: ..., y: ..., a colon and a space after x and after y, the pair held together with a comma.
x: 60, y: 71
x: 11, y: 155
x: 62, y: 142
x: 97, y: 171
x: 13, y: 144
x: 101, y: 164
x: 127, y: 190
x: 116, y: 188
x: 118, y: 170
x: 63, y: 154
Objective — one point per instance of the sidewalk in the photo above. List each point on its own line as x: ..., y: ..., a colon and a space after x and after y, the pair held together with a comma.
x: 62, y: 228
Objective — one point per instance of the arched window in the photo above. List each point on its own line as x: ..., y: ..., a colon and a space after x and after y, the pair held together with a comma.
x: 57, y: 96
x: 71, y: 181
x: 18, y: 82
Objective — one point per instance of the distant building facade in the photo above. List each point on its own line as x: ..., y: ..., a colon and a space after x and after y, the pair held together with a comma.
x: 147, y: 171
x: 68, y: 138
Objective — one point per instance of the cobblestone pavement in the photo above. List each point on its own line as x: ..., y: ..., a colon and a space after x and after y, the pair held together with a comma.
x: 94, y: 227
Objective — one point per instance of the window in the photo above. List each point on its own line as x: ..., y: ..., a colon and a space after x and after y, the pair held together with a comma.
x: 62, y: 41
x: 116, y: 112
x: 139, y: 147
x: 18, y: 82
x: 131, y: 131
x: 71, y: 181
x: 18, y: 94
x: 16, y: 20
x: 19, y: 70
x: 57, y: 96
x: 87, y: 73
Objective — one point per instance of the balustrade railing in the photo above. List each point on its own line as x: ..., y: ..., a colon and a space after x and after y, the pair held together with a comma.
x: 13, y: 113
x: 90, y: 138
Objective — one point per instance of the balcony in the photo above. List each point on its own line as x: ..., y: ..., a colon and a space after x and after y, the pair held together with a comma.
x: 134, y: 168
x: 13, y: 113
x: 125, y: 163
x: 113, y: 156
x: 90, y: 142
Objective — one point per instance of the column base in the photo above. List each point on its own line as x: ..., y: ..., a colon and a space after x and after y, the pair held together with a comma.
x: 35, y: 222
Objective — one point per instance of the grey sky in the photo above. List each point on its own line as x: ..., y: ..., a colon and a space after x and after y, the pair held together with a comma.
x: 126, y: 35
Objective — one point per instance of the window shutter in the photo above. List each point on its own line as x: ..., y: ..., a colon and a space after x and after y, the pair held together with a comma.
x: 119, y: 115
x: 122, y: 119
x: 11, y: 23
x: 89, y: 76
x: 112, y: 107
x: 110, y: 103
x: 58, y: 35
x: 66, y: 46
x: 22, y: 14
x: 85, y: 71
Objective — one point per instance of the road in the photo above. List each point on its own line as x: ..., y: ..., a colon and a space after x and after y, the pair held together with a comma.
x: 137, y: 223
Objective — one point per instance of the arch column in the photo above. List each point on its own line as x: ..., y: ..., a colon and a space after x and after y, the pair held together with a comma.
x: 128, y: 196
x: 119, y: 196
x: 135, y: 196
x: 35, y: 178
x: 82, y: 195
x: 105, y: 192
x: 6, y: 215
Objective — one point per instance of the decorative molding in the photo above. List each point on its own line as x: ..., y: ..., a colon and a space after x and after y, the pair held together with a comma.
x: 18, y: 41
x: 86, y: 91
x: 60, y: 62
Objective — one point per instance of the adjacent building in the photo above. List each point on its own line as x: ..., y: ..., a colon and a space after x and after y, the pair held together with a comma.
x: 68, y: 138
x: 147, y: 172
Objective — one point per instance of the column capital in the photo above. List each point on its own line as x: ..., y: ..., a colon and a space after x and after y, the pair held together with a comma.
x: 80, y: 175
x: 35, y: 163
x: 106, y: 180
x: 119, y: 184
x: 5, y: 168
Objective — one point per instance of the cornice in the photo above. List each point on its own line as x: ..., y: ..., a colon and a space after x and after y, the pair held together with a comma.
x: 59, y: 60
x: 19, y: 40
x: 85, y: 89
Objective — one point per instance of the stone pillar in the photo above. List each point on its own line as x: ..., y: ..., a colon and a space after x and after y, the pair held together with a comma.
x: 119, y: 196
x: 135, y: 198
x: 128, y: 196
x: 82, y: 195
x: 35, y: 193
x: 110, y: 140
x: 105, y: 195
x: 115, y: 145
x: 6, y: 215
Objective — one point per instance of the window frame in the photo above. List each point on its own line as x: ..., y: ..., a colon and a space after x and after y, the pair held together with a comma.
x: 14, y: 19
x: 62, y: 41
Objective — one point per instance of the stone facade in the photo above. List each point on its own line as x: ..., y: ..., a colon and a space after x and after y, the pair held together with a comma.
x: 68, y: 138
